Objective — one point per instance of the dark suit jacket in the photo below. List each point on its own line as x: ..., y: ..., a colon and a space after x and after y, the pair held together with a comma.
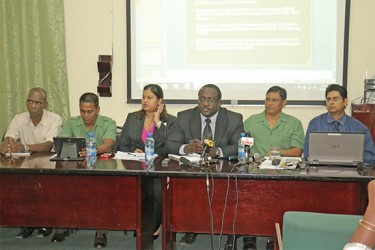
x: 229, y: 126
x: 131, y: 135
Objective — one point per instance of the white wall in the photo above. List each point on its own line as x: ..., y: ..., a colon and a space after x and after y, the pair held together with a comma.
x: 97, y: 27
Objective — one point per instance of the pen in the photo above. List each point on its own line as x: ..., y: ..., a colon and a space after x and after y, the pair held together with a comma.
x: 9, y: 148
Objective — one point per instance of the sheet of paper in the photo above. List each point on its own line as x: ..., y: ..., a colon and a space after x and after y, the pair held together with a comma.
x: 130, y: 156
x: 285, y: 163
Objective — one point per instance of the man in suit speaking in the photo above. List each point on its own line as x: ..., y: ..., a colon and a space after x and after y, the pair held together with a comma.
x: 207, y: 120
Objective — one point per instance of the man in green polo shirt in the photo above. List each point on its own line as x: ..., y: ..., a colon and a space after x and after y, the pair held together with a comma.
x: 273, y: 128
x: 104, y: 129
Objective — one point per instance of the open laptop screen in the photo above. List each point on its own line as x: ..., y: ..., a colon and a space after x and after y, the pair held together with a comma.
x: 68, y: 148
x: 336, y: 148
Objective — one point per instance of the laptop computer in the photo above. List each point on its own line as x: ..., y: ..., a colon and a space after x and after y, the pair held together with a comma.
x: 68, y: 148
x: 336, y: 148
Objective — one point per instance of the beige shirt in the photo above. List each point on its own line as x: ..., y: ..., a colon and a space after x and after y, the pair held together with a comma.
x: 21, y: 127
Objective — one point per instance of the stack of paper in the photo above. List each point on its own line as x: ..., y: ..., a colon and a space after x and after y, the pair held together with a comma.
x: 130, y: 156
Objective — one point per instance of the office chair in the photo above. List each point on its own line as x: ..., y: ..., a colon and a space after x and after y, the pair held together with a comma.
x: 306, y: 230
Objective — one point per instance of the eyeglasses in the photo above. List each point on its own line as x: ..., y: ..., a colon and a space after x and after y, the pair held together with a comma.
x: 37, y: 103
x: 334, y: 99
x: 273, y: 100
x: 208, y: 100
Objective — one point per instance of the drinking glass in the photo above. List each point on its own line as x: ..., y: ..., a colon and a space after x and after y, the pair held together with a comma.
x: 275, y: 155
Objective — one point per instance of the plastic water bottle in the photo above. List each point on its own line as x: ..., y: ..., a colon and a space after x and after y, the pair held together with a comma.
x: 91, y: 151
x: 241, y: 149
x: 149, y: 149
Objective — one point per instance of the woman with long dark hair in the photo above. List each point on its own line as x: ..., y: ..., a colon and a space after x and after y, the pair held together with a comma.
x: 152, y: 118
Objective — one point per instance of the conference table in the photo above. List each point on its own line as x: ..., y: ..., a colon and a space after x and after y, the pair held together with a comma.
x: 117, y: 195
x: 219, y: 198
x: 224, y: 198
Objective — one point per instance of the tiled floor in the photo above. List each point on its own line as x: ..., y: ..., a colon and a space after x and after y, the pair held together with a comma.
x: 83, y: 239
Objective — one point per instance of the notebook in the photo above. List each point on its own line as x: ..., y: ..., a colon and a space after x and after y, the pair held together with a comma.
x: 336, y: 148
x: 68, y: 148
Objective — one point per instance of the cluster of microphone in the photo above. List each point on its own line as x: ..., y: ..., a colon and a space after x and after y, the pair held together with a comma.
x: 247, y: 141
x: 207, y: 144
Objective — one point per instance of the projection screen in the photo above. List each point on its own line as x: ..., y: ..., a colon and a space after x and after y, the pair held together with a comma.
x: 243, y: 46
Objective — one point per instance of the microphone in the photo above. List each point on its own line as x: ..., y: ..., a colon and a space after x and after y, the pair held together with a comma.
x: 248, y: 142
x: 186, y: 162
x: 207, y: 144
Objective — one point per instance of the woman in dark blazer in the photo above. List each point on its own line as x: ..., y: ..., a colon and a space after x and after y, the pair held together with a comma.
x: 153, y: 117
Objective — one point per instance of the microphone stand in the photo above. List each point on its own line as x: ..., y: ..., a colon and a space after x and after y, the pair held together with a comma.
x: 204, y: 156
x: 204, y: 162
x: 242, y: 166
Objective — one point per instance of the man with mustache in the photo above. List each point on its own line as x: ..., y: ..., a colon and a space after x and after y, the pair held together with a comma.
x: 207, y: 120
x: 273, y: 128
x: 337, y: 120
x: 104, y: 130
x: 32, y: 131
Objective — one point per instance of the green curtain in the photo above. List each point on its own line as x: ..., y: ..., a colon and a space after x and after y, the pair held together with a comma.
x: 32, y: 53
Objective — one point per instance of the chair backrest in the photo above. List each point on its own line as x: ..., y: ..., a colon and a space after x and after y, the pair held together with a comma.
x: 118, y: 134
x: 305, y: 230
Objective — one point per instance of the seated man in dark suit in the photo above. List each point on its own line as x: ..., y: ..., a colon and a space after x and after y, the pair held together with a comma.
x: 207, y: 120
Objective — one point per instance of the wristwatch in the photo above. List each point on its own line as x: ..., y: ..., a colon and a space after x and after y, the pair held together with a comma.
x: 26, y: 147
x: 217, y: 152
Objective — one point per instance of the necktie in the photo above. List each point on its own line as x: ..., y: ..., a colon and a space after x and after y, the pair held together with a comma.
x: 207, y: 131
x: 336, y: 125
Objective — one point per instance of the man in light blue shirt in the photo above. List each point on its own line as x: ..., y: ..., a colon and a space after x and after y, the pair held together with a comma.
x: 336, y: 120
